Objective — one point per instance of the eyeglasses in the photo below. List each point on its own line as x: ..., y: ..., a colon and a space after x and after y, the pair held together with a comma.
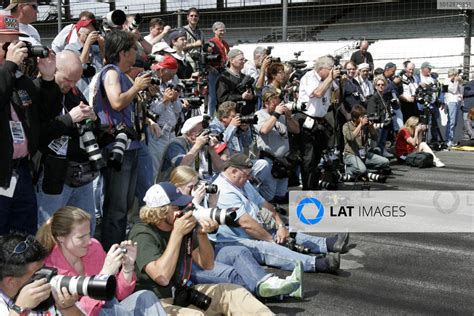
x: 22, y: 246
x: 380, y: 84
x: 247, y: 174
x: 34, y: 6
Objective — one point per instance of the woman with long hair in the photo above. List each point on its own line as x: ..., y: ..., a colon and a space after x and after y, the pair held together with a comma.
x: 66, y: 236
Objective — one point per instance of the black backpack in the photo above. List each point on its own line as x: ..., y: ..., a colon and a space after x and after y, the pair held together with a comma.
x: 420, y: 160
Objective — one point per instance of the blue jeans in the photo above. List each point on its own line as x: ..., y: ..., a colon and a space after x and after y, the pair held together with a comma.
x: 20, y: 212
x: 156, y: 148
x: 81, y: 197
x: 262, y: 170
x: 452, y: 111
x: 355, y: 166
x: 271, y: 186
x: 274, y: 255
x: 144, y: 174
x: 315, y: 243
x: 139, y: 303
x: 119, y: 193
x: 233, y: 264
x: 212, y: 96
x: 383, y: 134
x: 433, y: 130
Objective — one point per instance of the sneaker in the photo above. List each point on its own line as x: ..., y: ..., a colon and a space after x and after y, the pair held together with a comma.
x: 387, y: 154
x: 437, y: 163
x: 341, y: 243
x: 297, y: 275
x: 274, y: 286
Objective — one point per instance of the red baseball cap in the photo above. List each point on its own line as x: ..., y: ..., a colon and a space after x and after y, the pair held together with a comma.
x: 168, y: 62
x: 84, y: 23
x: 9, y: 26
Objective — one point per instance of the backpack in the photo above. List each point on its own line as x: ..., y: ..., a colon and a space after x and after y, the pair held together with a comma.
x: 420, y: 160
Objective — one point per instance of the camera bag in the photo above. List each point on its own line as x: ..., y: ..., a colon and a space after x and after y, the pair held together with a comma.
x: 80, y: 173
x: 420, y: 160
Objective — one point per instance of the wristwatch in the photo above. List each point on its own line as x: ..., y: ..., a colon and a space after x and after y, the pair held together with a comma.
x: 20, y: 310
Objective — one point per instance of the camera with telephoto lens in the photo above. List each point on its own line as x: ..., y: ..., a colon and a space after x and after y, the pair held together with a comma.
x: 186, y: 295
x: 89, y: 144
x: 211, y: 188
x: 217, y: 135
x: 154, y: 79
x: 190, y: 93
x: 246, y: 84
x: 32, y: 50
x: 250, y: 119
x: 292, y: 245
x: 99, y: 287
x: 136, y: 22
x: 205, y: 58
x: 295, y: 107
x: 425, y: 94
x: 113, y: 20
x: 123, y: 137
x: 221, y: 216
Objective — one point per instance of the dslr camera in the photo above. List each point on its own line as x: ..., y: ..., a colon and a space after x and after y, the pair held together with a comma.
x: 33, y: 51
x: 295, y: 107
x: 292, y: 245
x: 99, y: 287
x: 123, y: 137
x: 221, y: 216
x: 89, y: 144
x: 186, y: 294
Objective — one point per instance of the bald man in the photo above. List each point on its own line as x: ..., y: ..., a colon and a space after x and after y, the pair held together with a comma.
x: 67, y: 171
x: 363, y: 56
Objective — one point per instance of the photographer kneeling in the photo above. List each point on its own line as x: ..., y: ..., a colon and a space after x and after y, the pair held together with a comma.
x: 169, y: 241
x: 21, y: 256
x: 74, y: 253
x: 410, y: 140
x: 356, y: 156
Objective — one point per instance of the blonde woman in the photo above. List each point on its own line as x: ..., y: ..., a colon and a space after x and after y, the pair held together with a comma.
x: 410, y: 139
x: 66, y: 236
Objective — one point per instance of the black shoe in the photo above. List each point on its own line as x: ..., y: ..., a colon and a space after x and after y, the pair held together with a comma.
x: 341, y: 243
x: 333, y: 262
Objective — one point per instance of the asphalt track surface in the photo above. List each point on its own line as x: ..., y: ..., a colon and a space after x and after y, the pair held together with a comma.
x: 399, y: 274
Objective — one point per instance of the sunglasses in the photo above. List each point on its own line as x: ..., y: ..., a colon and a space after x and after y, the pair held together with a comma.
x: 22, y: 246
x: 380, y: 84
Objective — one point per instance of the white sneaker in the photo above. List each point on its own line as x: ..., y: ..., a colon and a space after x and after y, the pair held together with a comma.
x: 438, y: 163
x: 274, y: 286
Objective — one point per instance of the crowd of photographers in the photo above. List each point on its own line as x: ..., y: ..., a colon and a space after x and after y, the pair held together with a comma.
x: 206, y: 142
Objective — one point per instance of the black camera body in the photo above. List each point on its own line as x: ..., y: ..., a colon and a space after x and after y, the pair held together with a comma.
x: 246, y: 84
x: 374, y: 118
x: 268, y: 51
x: 186, y: 295
x: 250, y: 119
x: 211, y: 188
x: 424, y: 94
x: 136, y: 22
x: 292, y: 245
x: 123, y: 137
x: 33, y: 51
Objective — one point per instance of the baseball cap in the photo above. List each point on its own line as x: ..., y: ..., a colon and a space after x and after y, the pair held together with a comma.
x: 168, y: 62
x: 191, y: 123
x: 165, y: 193
x: 390, y: 65
x: 269, y: 94
x: 84, y: 23
x: 239, y: 161
x: 363, y: 66
x: 14, y: 3
x: 162, y: 47
x: 9, y: 26
x: 176, y: 34
x: 426, y: 65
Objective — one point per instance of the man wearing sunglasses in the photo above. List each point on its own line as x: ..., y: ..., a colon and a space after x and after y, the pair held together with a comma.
x: 21, y: 256
x: 26, y: 12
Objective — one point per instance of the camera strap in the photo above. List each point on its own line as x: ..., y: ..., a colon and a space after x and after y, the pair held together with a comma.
x: 188, y: 250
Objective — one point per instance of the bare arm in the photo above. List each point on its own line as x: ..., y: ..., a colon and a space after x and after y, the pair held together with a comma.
x: 120, y: 100
x: 253, y: 228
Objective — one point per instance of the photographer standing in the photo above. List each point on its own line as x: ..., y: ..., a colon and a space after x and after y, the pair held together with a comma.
x: 19, y: 130
x: 65, y: 117
x: 21, y: 256
x: 168, y: 243
x: 428, y: 85
x: 116, y: 109
x: 233, y: 85
x: 408, y: 97
x: 274, y: 123
x: 194, y: 35
x: 453, y: 98
x: 316, y: 87
x: 357, y: 157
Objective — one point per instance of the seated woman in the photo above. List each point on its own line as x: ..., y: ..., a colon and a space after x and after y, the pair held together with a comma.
x: 234, y: 264
x: 66, y: 236
x: 409, y: 139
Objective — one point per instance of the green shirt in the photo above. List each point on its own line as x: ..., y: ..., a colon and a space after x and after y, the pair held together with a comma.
x: 152, y: 243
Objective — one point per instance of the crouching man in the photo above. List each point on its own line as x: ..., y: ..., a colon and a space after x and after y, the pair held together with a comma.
x: 168, y: 242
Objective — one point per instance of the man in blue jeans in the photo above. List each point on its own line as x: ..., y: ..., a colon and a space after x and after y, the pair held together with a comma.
x: 236, y: 191
x: 452, y: 99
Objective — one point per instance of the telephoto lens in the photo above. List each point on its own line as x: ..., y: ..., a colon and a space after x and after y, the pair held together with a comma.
x: 346, y: 178
x: 116, y: 155
x: 99, y: 287
x: 92, y: 149
x: 221, y: 216
x: 377, y: 177
x: 327, y: 185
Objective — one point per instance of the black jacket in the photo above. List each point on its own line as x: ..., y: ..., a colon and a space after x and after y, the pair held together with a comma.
x: 358, y: 59
x: 28, y: 115
x: 229, y: 89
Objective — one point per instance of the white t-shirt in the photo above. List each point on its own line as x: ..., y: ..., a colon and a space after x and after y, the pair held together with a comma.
x: 316, y: 107
x: 59, y: 42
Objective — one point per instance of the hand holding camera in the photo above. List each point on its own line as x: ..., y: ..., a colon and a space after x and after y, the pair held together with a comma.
x: 32, y: 294
x: 16, y: 52
x: 247, y: 95
x: 207, y: 226
x: 335, y: 73
x: 63, y: 299
x: 143, y: 81
x: 113, y: 260
x: 129, y: 254
x: 184, y: 224
x: 235, y: 121
x: 82, y: 112
x: 168, y: 95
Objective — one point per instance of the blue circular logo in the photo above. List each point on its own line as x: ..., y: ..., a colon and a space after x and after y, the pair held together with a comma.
x: 310, y: 221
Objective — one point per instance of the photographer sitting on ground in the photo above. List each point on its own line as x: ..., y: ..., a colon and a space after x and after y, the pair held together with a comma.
x: 356, y: 136
x: 21, y: 256
x: 191, y: 149
x: 73, y: 252
x: 233, y: 264
x: 169, y: 241
x: 275, y: 120
x: 410, y: 139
